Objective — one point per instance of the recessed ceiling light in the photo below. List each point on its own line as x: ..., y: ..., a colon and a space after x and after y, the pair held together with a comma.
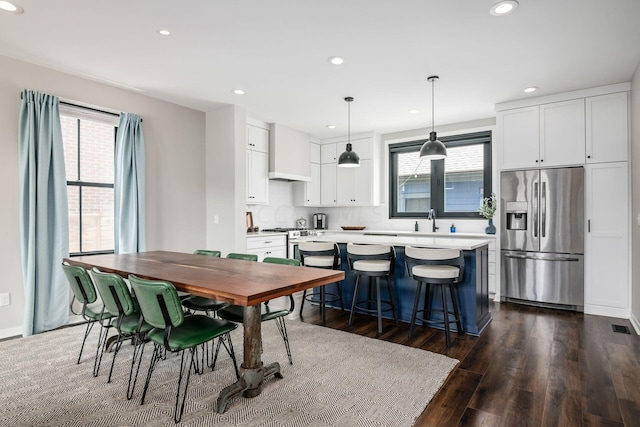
x: 531, y: 89
x: 10, y: 7
x: 331, y: 126
x: 504, y: 7
x: 414, y: 111
x: 238, y: 92
x: 336, y: 60
x: 164, y: 32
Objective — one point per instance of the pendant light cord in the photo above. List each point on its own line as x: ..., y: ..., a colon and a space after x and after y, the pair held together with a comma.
x: 349, y: 122
x: 433, y: 108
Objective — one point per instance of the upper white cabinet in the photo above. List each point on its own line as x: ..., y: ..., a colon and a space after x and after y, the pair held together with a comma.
x: 562, y: 133
x: 588, y: 126
x: 607, y: 239
x: 308, y: 193
x: 350, y: 186
x: 328, y: 153
x: 257, y: 165
x: 607, y: 132
x: 520, y: 135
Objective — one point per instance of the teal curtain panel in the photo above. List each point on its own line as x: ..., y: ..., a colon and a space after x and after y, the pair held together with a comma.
x: 129, y: 186
x: 44, y: 220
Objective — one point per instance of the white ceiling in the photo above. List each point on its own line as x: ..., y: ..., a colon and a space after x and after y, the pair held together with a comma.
x: 277, y: 50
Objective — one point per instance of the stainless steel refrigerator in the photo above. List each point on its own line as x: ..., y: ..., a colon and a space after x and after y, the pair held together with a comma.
x: 542, y: 237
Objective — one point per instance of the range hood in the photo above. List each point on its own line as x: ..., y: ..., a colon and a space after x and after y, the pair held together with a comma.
x: 289, y: 154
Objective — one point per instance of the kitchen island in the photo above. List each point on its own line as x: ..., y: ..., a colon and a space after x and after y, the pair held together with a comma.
x: 473, y: 291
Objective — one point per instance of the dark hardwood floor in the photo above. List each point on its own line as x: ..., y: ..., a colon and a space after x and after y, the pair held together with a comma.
x: 531, y: 367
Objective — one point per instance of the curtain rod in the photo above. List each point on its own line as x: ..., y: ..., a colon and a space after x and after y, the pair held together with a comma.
x: 87, y: 108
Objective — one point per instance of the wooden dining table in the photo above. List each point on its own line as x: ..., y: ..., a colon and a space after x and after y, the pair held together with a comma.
x: 239, y: 282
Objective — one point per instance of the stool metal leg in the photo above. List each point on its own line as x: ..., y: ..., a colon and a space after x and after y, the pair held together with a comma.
x: 445, y: 309
x: 415, y: 308
x: 454, y: 300
x: 393, y: 299
x: 322, y: 306
x: 379, y: 304
x: 355, y: 298
x: 428, y: 299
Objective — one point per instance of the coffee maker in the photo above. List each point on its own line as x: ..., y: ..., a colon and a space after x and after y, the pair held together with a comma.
x: 319, y: 221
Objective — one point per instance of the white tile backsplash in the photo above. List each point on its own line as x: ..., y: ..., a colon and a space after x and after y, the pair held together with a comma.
x: 280, y: 212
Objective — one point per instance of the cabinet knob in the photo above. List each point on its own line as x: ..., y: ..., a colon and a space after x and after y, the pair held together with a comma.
x: 588, y: 157
x: 541, y: 160
x: 536, y: 161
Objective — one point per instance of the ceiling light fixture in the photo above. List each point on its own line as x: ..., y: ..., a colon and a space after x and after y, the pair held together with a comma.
x: 336, y: 60
x: 349, y: 159
x: 504, y: 8
x: 10, y: 7
x: 164, y: 32
x: 531, y: 89
x: 433, y: 149
x: 331, y: 126
x: 414, y: 111
x: 239, y: 92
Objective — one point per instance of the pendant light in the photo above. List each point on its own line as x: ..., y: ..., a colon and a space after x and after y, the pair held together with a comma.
x: 433, y: 149
x: 349, y: 159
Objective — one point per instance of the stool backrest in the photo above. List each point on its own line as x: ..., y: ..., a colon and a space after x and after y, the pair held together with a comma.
x: 357, y: 251
x: 207, y: 252
x: 316, y: 249
x: 431, y: 256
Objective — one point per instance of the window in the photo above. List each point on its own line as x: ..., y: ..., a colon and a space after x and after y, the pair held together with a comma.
x: 453, y: 187
x: 89, y: 148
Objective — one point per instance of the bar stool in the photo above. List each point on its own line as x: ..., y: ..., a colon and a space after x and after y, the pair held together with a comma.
x: 438, y: 267
x: 372, y: 261
x: 321, y: 255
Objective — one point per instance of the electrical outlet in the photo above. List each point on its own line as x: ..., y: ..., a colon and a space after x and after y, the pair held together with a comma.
x: 5, y: 299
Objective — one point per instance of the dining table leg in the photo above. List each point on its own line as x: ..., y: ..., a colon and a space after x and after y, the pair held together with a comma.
x: 252, y: 371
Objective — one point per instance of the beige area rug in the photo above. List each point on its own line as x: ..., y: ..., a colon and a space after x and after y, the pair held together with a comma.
x: 337, y: 379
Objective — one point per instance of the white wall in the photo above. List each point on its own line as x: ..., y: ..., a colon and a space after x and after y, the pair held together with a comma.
x: 175, y: 152
x: 635, y: 203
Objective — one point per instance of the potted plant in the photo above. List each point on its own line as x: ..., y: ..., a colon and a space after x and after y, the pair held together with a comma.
x: 488, y: 209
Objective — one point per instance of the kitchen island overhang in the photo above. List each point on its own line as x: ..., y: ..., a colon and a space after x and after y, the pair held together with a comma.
x: 473, y: 290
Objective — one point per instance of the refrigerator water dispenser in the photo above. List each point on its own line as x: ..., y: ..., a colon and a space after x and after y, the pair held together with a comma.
x: 516, y: 215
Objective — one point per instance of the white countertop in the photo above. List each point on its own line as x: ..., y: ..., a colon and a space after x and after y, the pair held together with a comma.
x: 440, y: 234
x: 434, y: 240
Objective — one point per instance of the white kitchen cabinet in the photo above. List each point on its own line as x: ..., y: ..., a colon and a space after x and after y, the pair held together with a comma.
x: 328, y: 153
x: 562, y: 133
x: 354, y: 185
x: 257, y: 166
x: 607, y: 133
x: 519, y: 132
x: 543, y: 136
x: 308, y: 193
x: 328, y: 181
x: 267, y: 246
x: 607, y: 239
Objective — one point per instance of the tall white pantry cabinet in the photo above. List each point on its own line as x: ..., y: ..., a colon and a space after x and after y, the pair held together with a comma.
x: 587, y: 128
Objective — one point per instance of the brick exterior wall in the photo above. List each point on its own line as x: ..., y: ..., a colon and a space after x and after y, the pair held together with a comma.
x: 96, y: 165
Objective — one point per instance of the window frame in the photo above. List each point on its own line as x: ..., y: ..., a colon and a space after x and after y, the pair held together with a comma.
x: 437, y: 178
x: 80, y: 184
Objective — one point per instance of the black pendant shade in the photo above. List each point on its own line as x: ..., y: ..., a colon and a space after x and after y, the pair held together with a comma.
x: 349, y: 159
x: 433, y: 149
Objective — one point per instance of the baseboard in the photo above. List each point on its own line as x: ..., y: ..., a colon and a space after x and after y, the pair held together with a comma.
x: 11, y: 332
x: 599, y: 310
x: 635, y: 323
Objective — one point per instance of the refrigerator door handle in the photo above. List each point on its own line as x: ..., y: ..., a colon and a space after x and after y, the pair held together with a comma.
x: 543, y: 210
x: 535, y: 209
x: 541, y: 257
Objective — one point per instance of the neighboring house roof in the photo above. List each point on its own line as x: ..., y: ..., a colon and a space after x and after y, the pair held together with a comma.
x: 459, y: 159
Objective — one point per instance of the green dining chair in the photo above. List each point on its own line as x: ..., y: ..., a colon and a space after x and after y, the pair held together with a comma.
x: 85, y: 292
x: 127, y: 322
x: 174, y: 332
x: 244, y: 257
x: 235, y: 313
x: 195, y: 303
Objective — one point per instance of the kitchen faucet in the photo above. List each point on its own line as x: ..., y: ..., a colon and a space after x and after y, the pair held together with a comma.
x: 432, y: 217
